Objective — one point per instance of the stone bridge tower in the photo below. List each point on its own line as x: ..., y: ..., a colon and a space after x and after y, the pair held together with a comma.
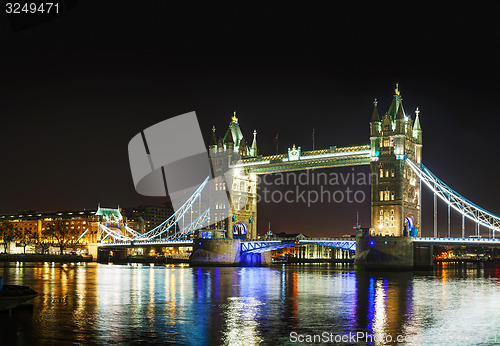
x: 241, y: 185
x: 396, y: 189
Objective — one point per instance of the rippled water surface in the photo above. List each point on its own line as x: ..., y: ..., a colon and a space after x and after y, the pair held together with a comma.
x: 113, y: 304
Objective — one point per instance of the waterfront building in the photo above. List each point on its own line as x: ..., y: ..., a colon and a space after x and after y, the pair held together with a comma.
x: 144, y: 218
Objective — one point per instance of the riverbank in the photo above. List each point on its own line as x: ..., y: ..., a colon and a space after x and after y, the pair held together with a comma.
x: 44, y: 258
x: 468, y: 260
x: 293, y: 260
x: 150, y: 259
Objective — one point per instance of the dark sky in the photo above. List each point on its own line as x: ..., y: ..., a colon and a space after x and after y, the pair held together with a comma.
x: 74, y: 90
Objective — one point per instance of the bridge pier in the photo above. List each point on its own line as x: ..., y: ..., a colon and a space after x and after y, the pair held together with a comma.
x: 423, y: 256
x: 225, y: 252
x: 92, y: 250
x: 106, y: 255
x: 392, y: 253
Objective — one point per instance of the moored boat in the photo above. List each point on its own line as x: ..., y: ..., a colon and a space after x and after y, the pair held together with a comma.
x: 14, y: 295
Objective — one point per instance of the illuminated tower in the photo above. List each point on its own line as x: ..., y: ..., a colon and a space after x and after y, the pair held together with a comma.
x: 396, y: 195
x: 241, y: 185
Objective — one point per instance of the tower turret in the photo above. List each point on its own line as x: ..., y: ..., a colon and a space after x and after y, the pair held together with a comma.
x: 253, y: 149
x: 213, y: 142
x: 375, y: 121
x: 229, y: 139
x: 400, y: 119
x: 242, y: 149
x: 417, y: 130
x: 233, y: 135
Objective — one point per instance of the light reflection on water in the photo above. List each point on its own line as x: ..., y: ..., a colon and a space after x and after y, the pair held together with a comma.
x: 96, y: 304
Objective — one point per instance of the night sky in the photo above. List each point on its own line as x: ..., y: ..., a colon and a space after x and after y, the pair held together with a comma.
x: 74, y: 90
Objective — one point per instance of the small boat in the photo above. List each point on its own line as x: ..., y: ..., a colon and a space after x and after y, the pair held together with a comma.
x: 14, y: 295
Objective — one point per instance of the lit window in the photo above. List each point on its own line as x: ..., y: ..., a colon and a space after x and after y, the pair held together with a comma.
x: 386, y: 195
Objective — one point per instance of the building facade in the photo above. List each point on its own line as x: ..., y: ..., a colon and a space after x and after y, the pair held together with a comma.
x: 82, y: 225
x: 144, y: 218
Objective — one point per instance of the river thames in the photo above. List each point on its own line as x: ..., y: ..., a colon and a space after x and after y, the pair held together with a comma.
x: 89, y: 303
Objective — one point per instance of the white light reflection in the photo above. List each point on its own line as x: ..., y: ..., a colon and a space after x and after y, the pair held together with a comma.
x: 241, y: 321
x: 151, y: 292
x: 379, y: 322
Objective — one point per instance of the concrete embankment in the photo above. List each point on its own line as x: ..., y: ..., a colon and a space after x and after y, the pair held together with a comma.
x: 225, y: 252
x: 43, y: 258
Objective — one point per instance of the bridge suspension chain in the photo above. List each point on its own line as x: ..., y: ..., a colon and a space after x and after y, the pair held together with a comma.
x: 454, y: 199
x: 171, y: 223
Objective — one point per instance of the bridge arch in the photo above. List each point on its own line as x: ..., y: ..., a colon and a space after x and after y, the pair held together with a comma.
x: 240, y: 230
x: 409, y: 225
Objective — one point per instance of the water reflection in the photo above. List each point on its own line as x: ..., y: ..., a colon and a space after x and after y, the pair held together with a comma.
x: 91, y: 303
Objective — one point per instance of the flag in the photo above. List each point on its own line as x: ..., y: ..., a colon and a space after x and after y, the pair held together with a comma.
x: 275, y: 139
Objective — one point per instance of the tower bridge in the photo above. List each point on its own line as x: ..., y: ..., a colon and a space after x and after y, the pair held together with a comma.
x: 394, y: 154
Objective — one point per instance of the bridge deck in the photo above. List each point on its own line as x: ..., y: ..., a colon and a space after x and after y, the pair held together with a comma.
x: 179, y: 242
x: 458, y: 241
x: 263, y: 245
x: 259, y: 246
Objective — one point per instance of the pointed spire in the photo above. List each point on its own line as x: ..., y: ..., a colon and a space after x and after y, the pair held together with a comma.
x: 395, y: 104
x: 254, y: 143
x: 213, y: 141
x: 416, y: 126
x: 375, y: 116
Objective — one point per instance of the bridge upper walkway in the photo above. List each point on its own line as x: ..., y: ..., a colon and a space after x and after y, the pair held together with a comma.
x: 333, y: 157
